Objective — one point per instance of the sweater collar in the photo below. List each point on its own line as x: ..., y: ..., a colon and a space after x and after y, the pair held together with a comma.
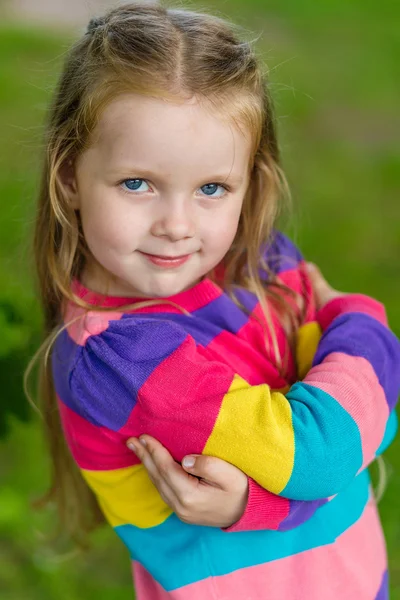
x: 192, y: 299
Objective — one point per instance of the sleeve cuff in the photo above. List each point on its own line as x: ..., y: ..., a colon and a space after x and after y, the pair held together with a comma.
x: 263, y: 510
x: 351, y: 303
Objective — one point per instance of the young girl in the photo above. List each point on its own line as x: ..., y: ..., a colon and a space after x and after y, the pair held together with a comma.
x: 174, y: 309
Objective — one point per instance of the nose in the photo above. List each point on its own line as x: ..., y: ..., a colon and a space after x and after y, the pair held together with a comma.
x: 174, y: 219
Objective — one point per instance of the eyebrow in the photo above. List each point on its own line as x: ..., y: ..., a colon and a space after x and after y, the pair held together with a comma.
x: 222, y: 178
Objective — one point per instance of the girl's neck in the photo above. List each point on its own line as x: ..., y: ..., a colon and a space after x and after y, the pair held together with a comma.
x: 96, y: 279
x: 103, y: 289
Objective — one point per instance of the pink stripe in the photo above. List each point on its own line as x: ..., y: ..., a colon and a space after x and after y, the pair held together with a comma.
x: 260, y: 346
x: 350, y: 568
x: 169, y: 402
x: 351, y: 303
x: 264, y: 510
x: 89, y: 323
x: 94, y: 448
x: 359, y: 392
x: 298, y: 280
x: 282, y: 340
x: 250, y: 361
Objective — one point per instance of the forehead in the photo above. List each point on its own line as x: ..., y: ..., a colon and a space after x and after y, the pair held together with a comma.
x: 187, y: 134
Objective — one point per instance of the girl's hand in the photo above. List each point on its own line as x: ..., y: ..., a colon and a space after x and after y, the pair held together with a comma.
x: 323, y: 292
x: 212, y: 492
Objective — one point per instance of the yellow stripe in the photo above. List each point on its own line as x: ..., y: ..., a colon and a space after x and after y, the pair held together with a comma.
x: 127, y: 496
x: 308, y: 337
x: 254, y: 432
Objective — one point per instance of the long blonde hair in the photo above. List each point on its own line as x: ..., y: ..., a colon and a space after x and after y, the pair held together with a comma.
x: 168, y: 53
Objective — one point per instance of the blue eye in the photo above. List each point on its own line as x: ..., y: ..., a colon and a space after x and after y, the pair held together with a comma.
x: 210, y: 188
x: 134, y: 185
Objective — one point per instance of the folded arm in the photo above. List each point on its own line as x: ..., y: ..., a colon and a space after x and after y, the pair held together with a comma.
x: 305, y: 445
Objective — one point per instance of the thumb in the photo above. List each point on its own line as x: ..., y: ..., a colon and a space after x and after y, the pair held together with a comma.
x: 214, y: 470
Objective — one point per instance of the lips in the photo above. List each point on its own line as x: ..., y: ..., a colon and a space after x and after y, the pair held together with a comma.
x: 167, y: 262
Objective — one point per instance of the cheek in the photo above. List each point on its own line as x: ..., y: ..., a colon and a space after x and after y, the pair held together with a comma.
x: 107, y: 229
x: 221, y: 231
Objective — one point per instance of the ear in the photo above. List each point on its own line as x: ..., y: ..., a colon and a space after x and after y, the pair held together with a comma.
x: 67, y: 178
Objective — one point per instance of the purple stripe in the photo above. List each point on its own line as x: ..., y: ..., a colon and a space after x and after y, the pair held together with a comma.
x: 299, y: 512
x: 224, y: 313
x: 203, y: 333
x: 63, y: 357
x: 112, y: 368
x: 206, y: 323
x: 357, y: 334
x: 383, y: 593
x: 248, y: 300
x: 281, y: 254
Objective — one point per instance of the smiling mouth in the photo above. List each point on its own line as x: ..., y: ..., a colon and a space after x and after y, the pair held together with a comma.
x: 167, y: 261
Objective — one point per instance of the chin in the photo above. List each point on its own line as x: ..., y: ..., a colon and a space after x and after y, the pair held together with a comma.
x: 164, y: 291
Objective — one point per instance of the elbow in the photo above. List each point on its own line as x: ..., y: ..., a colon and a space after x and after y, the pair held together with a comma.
x: 315, y: 479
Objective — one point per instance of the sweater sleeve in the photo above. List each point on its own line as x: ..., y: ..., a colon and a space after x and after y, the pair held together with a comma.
x: 265, y: 510
x: 268, y: 511
x: 148, y: 376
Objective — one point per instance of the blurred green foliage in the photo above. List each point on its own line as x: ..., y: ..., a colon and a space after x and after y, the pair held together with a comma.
x: 334, y: 80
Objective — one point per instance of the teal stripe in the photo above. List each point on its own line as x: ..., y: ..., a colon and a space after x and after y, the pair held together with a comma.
x: 177, y: 554
x: 327, y: 442
x: 390, y: 432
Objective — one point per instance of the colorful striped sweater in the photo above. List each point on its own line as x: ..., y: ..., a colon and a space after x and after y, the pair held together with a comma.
x: 203, y: 382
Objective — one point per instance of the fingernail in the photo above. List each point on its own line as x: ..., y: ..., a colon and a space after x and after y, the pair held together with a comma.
x: 188, y: 461
x: 143, y: 442
x: 132, y: 447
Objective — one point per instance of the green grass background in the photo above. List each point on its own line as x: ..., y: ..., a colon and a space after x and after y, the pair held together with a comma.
x: 336, y: 88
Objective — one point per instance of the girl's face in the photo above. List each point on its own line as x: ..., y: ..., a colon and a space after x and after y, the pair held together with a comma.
x: 160, y: 192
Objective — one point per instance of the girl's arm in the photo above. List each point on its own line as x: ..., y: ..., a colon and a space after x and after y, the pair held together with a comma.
x: 261, y: 509
x: 220, y: 495
x: 225, y: 495
x: 147, y: 376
